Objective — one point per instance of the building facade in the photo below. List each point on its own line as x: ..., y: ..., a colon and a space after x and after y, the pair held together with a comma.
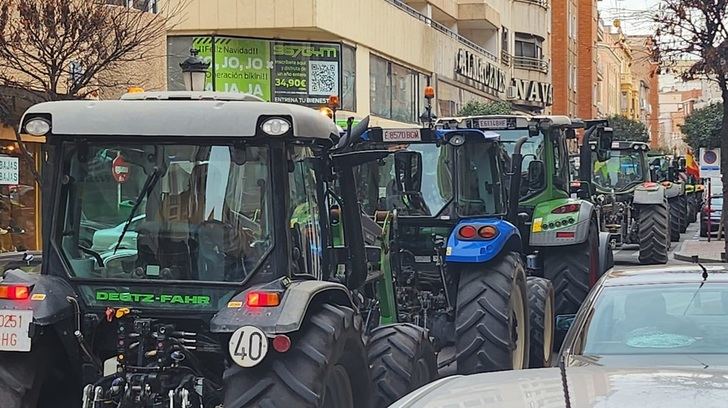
x: 377, y: 55
x: 645, y: 76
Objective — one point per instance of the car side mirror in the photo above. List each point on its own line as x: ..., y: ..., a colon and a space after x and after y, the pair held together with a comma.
x: 564, y: 322
x: 536, y: 174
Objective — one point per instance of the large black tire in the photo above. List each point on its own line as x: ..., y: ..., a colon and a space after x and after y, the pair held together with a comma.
x: 401, y: 359
x: 683, y: 200
x: 21, y: 378
x: 325, y: 367
x: 541, y: 319
x: 692, y: 208
x: 573, y: 270
x: 491, y: 321
x: 676, y: 220
x: 653, y: 233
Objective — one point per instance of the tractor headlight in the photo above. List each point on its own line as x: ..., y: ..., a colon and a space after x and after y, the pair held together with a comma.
x: 275, y: 126
x: 37, y: 127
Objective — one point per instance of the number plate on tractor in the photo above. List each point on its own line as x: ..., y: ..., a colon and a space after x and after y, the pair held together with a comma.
x: 493, y: 123
x: 14, y: 326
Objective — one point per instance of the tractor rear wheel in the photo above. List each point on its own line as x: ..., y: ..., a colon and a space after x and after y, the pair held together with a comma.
x: 401, y: 359
x: 683, y: 200
x: 654, y: 233
x: 676, y: 220
x: 491, y: 320
x: 541, y: 320
x: 573, y: 270
x: 326, y: 366
x: 692, y: 208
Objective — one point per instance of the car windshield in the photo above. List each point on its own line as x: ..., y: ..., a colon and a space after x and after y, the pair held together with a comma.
x: 662, y: 319
x: 622, y: 171
x: 204, y: 217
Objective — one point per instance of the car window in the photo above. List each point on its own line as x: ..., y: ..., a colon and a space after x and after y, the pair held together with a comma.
x: 658, y: 319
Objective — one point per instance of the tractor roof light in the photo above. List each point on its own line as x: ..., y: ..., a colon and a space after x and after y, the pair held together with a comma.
x: 457, y: 140
x: 276, y: 126
x: 14, y: 292
x: 37, y: 126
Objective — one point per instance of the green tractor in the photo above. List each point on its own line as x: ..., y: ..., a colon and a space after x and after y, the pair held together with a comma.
x: 667, y: 171
x: 229, y: 290
x: 441, y: 200
x: 633, y: 208
x: 561, y: 238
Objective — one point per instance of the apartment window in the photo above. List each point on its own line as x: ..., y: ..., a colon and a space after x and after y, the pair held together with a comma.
x: 529, y: 46
x: 393, y: 90
x: 504, y: 40
x: 348, y: 78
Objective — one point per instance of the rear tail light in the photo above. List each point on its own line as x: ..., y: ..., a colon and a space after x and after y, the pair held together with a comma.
x: 565, y: 209
x: 262, y: 299
x: 14, y: 292
x: 467, y: 232
x: 649, y: 184
x: 488, y: 232
x: 565, y: 234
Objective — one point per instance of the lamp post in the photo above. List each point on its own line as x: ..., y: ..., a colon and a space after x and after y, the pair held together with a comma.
x: 194, y: 71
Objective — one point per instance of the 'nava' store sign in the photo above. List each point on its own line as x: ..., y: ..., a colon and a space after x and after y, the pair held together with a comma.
x: 479, y: 73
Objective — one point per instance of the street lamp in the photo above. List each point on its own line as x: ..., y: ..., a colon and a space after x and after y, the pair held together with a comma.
x: 194, y: 71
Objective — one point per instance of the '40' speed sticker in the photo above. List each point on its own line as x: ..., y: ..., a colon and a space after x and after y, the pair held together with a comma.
x: 248, y: 346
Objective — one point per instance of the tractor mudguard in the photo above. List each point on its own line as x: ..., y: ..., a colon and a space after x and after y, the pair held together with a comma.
x: 672, y: 189
x: 650, y: 194
x: 295, y: 299
x: 561, y: 228
x: 47, y: 297
x: 477, y: 249
x: 606, y: 257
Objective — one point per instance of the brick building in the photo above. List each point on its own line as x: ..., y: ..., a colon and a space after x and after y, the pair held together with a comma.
x: 564, y: 56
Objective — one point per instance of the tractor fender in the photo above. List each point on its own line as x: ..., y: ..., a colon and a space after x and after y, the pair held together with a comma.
x: 654, y: 194
x: 672, y: 189
x: 549, y: 237
x: 48, y: 296
x: 479, y: 250
x: 296, y: 298
x: 606, y: 256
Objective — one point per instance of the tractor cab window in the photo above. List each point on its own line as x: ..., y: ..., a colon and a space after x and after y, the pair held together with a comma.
x: 480, y: 189
x: 203, y: 212
x: 416, y: 180
x: 532, y: 150
x: 304, y: 212
x: 622, y: 171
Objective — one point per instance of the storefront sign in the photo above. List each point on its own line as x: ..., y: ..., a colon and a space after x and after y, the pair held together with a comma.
x: 532, y: 92
x: 475, y: 68
x: 120, y: 169
x: 305, y: 73
x: 9, y: 170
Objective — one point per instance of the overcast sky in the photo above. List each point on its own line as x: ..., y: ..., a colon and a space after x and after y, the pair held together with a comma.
x: 635, y: 15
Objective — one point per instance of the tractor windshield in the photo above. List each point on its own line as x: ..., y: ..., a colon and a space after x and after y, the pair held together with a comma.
x: 532, y: 150
x: 623, y: 170
x: 204, y: 212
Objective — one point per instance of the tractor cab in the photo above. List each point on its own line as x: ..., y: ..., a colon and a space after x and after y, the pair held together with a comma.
x: 212, y: 254
x: 626, y: 168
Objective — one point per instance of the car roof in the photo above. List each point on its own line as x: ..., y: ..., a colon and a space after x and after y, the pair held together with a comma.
x: 196, y: 114
x: 664, y: 274
x: 589, y: 387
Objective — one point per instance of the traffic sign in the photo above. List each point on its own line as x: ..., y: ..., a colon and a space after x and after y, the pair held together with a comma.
x: 709, y: 163
x: 120, y: 169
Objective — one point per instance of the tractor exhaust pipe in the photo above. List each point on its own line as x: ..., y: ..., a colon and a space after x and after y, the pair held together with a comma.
x: 515, y: 188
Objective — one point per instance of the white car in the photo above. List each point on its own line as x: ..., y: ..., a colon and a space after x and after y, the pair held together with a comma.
x: 106, y: 239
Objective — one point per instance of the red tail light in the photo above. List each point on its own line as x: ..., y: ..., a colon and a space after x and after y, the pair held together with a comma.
x: 262, y: 299
x: 565, y: 234
x: 14, y: 292
x: 467, y: 232
x: 565, y: 209
x: 649, y: 184
x: 488, y: 232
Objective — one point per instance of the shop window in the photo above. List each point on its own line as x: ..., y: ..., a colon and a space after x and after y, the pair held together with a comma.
x: 19, y: 205
x: 348, y: 80
x: 394, y: 92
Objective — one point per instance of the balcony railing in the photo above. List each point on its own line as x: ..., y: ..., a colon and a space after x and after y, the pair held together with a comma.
x: 506, y: 58
x: 542, y: 3
x: 441, y: 28
x: 531, y: 64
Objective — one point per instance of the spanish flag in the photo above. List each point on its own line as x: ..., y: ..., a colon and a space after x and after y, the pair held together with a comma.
x: 691, y: 166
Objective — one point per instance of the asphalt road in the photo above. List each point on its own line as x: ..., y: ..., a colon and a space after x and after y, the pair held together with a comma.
x: 627, y: 255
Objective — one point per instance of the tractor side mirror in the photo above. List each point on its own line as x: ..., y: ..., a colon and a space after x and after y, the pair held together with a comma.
x: 536, y: 175
x: 408, y: 170
x: 605, y: 136
x: 571, y: 133
x: 681, y: 164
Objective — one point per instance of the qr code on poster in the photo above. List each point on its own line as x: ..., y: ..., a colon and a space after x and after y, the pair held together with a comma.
x: 323, y: 78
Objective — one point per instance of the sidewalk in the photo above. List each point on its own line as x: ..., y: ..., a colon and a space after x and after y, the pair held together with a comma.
x: 707, y: 252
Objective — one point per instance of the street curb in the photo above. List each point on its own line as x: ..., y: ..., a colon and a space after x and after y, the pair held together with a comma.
x: 689, y: 258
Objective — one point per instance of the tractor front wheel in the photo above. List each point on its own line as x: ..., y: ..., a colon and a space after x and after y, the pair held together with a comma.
x: 541, y: 319
x: 326, y: 366
x: 491, y: 321
x: 402, y: 359
x: 653, y: 233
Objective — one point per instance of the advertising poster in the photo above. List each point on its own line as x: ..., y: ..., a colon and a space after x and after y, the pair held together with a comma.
x: 304, y: 73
